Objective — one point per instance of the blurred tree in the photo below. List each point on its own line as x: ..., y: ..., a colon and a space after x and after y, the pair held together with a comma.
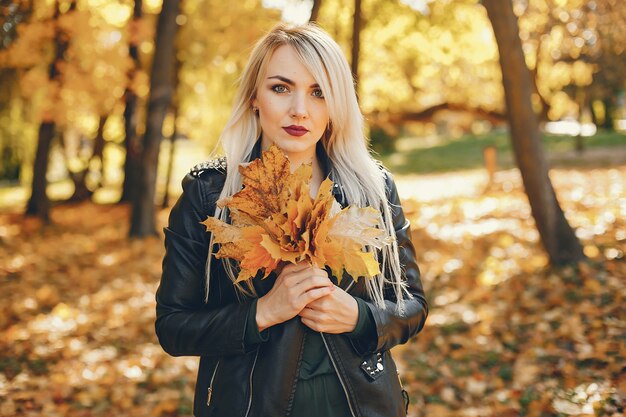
x: 419, y: 58
x: 12, y: 13
x: 11, y: 120
x: 131, y: 141
x: 82, y: 190
x: 213, y: 56
x: 356, y: 41
x: 610, y: 57
x: 575, y: 51
x: 38, y: 203
x: 315, y: 10
x: 173, y: 137
x: 161, y: 86
x: 557, y: 236
x: 89, y: 71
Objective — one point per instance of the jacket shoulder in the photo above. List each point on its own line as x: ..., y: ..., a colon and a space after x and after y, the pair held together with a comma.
x: 206, y: 167
x: 209, y: 173
x: 203, y: 183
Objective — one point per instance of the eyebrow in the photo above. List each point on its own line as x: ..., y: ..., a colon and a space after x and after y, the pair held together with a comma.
x: 290, y: 82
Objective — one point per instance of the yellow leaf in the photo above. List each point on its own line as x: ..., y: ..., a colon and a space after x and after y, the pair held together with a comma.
x: 359, y: 225
x: 277, y: 252
x: 266, y: 181
x: 275, y: 220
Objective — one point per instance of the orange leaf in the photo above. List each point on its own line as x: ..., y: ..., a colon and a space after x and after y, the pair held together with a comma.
x: 275, y: 220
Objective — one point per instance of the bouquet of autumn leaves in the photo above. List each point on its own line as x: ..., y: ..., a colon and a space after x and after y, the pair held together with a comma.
x: 274, y: 220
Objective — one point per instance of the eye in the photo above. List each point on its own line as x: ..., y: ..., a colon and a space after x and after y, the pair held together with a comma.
x: 318, y: 93
x: 279, y: 88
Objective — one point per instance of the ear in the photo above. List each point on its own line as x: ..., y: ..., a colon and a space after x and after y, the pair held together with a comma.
x: 254, y: 102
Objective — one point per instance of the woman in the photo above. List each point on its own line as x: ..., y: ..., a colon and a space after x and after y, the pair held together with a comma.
x: 295, y: 343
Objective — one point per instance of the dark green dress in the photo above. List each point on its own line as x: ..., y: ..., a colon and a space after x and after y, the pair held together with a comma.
x: 318, y: 391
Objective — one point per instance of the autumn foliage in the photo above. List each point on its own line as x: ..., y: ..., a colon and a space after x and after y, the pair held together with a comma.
x: 275, y: 220
x: 505, y: 336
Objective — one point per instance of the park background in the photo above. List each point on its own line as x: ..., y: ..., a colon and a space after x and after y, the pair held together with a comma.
x: 526, y: 290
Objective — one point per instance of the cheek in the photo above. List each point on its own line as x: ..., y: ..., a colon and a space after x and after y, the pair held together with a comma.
x: 322, y: 118
x: 270, y: 107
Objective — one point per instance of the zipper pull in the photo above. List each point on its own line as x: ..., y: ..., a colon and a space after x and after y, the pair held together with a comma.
x: 208, y: 397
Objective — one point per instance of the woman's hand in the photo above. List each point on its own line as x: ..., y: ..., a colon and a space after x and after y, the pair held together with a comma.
x: 335, y: 313
x: 295, y: 287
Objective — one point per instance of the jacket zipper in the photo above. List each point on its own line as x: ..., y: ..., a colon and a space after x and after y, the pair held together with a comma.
x: 297, y: 374
x: 343, y: 385
x: 251, y: 372
x: 210, y: 389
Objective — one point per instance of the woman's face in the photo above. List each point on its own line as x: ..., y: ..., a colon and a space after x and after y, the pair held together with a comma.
x: 291, y: 105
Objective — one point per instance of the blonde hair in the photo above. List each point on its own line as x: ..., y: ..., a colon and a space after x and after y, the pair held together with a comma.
x: 344, y: 142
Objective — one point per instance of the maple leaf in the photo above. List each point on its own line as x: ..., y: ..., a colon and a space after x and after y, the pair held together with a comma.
x: 354, y: 224
x: 340, y: 241
x: 267, y: 182
x: 275, y: 220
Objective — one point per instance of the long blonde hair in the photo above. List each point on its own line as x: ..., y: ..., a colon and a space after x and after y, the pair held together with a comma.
x: 352, y: 166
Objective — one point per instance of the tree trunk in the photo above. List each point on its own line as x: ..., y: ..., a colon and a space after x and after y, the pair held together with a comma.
x: 170, y: 165
x: 161, y: 81
x: 173, y: 137
x: 38, y: 203
x: 81, y: 191
x: 356, y: 41
x: 609, y: 107
x: 545, y: 106
x: 582, y: 99
x: 315, y: 10
x: 557, y: 236
x: 98, y: 144
x: 131, y: 142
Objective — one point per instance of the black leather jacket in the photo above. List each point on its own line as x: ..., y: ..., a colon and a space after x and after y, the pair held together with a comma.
x: 238, y: 380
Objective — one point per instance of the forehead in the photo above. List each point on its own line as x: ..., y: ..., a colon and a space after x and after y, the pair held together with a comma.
x: 285, y: 62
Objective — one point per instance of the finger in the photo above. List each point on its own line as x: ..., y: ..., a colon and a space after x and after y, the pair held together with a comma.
x: 291, y: 267
x: 313, y: 325
x: 317, y: 304
x: 326, y: 303
x: 311, y: 284
x: 316, y: 316
x: 317, y: 268
x: 316, y: 293
x: 307, y: 278
x: 288, y: 270
x: 307, y: 313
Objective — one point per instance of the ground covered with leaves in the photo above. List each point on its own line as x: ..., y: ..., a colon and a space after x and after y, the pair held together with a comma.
x: 505, y: 336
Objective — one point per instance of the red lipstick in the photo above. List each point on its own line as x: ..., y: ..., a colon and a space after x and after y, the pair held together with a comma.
x: 295, y: 130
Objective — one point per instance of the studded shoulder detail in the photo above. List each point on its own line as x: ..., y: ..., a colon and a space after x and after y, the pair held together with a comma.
x: 216, y: 163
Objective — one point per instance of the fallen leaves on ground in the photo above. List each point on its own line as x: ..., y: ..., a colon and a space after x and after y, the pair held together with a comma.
x: 505, y: 336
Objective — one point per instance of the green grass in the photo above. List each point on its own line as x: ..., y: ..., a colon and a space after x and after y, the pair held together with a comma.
x: 466, y: 152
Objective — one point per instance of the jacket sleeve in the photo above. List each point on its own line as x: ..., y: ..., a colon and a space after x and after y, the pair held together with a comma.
x: 184, y: 325
x: 392, y: 326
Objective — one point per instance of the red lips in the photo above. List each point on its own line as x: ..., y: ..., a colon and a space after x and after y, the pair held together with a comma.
x: 295, y: 130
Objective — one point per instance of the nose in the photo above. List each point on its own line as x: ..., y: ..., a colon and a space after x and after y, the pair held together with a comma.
x: 298, y: 107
